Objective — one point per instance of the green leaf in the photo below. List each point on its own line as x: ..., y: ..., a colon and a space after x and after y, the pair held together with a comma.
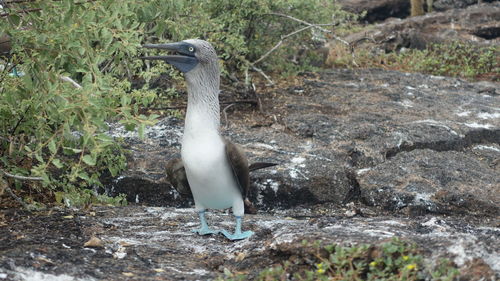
x: 59, y: 196
x: 141, y: 129
x: 84, y: 176
x: 104, y: 138
x: 153, y: 116
x: 129, y: 126
x: 14, y: 19
x: 39, y: 157
x: 81, y: 51
x: 52, y: 146
x: 71, y: 150
x: 57, y: 163
x: 89, y: 160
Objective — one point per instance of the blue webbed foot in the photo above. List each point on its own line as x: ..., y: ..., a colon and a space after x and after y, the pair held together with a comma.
x: 237, y: 235
x: 204, y: 229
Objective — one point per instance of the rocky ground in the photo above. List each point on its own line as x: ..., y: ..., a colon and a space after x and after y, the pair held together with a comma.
x: 155, y: 243
x: 363, y: 156
x: 403, y: 142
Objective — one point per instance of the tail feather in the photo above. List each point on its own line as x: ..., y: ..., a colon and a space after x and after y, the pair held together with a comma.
x: 260, y: 165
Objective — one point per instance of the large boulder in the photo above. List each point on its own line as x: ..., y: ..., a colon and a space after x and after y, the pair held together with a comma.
x: 380, y: 10
x: 377, y: 10
x: 478, y: 24
x: 441, y: 5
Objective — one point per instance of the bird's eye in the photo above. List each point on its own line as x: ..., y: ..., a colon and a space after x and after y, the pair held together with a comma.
x: 191, y: 49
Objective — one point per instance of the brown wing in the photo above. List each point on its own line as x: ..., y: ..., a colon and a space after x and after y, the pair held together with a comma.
x: 177, y: 177
x: 239, y: 164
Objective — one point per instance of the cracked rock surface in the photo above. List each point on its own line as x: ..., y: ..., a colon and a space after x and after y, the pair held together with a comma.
x: 404, y: 142
x: 156, y: 243
x: 363, y: 156
x: 477, y: 25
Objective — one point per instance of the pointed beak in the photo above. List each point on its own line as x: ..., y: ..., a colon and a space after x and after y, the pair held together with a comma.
x: 185, y: 60
x: 167, y: 46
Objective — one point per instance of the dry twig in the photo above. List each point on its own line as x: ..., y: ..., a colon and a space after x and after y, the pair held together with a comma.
x: 73, y: 82
x: 224, y: 111
x: 17, y: 177
x: 5, y: 186
x: 284, y: 37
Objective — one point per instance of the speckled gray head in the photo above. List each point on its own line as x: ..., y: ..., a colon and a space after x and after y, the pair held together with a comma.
x: 190, y: 54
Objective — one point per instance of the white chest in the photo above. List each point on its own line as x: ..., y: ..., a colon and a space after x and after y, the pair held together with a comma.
x: 208, y: 171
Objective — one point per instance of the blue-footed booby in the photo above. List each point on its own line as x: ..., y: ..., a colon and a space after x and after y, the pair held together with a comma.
x: 214, y: 169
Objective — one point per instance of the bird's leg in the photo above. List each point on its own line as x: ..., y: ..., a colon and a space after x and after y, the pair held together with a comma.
x: 237, y: 235
x: 204, y: 229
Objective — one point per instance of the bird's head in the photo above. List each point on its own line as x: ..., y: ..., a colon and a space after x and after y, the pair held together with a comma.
x: 192, y: 57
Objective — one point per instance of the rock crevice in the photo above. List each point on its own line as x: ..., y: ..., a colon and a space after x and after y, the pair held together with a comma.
x: 460, y: 143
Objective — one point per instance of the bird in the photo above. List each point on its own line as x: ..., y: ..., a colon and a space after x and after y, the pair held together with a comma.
x: 178, y: 179
x: 212, y: 168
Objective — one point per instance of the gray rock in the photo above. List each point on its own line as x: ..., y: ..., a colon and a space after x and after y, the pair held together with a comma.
x: 441, y: 5
x: 478, y: 24
x: 404, y: 142
x: 377, y: 10
x: 431, y: 181
x: 151, y: 243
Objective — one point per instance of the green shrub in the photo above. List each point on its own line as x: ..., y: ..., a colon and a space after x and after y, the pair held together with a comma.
x: 454, y: 59
x: 243, y: 31
x: 393, y: 260
x: 49, y: 128
x: 457, y: 59
x: 52, y: 130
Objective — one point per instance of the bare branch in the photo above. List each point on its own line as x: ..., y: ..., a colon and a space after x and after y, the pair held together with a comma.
x: 279, y: 44
x: 17, y: 177
x: 263, y: 74
x: 25, y: 11
x: 21, y: 12
x: 224, y: 111
x: 317, y: 26
x: 4, y: 186
x: 73, y: 82
x: 308, y: 26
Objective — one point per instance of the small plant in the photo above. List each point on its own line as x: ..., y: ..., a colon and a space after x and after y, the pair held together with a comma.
x: 455, y: 59
x: 444, y: 271
x: 393, y: 260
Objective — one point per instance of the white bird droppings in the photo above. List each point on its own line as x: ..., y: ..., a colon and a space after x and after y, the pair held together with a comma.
x: 477, y: 125
x: 487, y: 115
x: 486, y: 147
x: 298, y: 160
x: 362, y: 171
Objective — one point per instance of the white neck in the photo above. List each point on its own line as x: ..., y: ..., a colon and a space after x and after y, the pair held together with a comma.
x: 203, y: 111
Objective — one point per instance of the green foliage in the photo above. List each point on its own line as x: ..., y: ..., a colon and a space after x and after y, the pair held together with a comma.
x: 243, y: 31
x: 53, y: 130
x: 457, y: 59
x: 393, y: 260
x: 444, y: 271
x: 454, y: 59
x: 84, y: 197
